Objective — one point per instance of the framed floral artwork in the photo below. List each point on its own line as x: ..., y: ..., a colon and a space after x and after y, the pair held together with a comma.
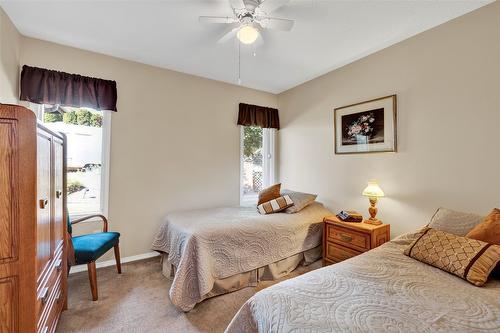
x: 366, y: 127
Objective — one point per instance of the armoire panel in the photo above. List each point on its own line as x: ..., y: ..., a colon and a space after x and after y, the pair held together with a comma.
x: 8, y: 305
x: 8, y: 191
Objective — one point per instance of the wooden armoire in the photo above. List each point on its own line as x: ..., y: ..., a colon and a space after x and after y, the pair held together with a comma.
x: 33, y: 265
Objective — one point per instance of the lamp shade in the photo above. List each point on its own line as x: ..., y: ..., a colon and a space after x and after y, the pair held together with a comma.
x: 373, y: 190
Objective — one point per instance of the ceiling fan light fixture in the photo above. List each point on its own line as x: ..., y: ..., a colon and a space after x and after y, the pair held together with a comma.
x: 247, y: 34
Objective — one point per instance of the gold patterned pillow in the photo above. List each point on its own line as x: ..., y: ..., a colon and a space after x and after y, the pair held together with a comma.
x: 275, y: 205
x: 470, y: 259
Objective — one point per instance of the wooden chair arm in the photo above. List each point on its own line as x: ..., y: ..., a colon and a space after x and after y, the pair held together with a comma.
x: 102, y: 217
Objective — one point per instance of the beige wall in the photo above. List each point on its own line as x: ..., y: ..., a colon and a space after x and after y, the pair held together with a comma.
x: 175, y: 144
x: 174, y: 139
x: 9, y: 60
x: 448, y: 85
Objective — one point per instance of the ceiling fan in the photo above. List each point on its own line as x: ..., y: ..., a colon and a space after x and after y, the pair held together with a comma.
x: 249, y: 18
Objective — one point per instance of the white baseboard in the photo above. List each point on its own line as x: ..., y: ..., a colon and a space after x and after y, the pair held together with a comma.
x: 112, y: 262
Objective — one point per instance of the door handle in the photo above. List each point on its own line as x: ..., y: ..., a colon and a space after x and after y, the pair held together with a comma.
x: 43, y: 203
x: 58, y: 264
x: 44, y: 294
x: 58, y: 297
x: 58, y: 194
x: 346, y: 238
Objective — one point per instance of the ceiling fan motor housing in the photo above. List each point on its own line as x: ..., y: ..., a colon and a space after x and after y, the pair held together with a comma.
x: 246, y: 18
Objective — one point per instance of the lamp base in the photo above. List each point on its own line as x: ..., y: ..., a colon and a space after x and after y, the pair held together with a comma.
x: 373, y: 221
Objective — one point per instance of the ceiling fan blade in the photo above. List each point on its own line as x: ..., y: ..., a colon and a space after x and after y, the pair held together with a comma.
x: 217, y: 19
x: 237, y: 4
x: 269, y: 6
x: 259, y: 41
x: 276, y: 23
x: 229, y: 35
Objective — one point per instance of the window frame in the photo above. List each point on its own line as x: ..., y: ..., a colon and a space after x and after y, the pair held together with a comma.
x: 106, y: 158
x: 268, y: 163
x: 39, y: 110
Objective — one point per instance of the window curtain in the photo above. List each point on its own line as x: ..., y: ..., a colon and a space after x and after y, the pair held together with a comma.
x: 254, y: 115
x: 43, y: 86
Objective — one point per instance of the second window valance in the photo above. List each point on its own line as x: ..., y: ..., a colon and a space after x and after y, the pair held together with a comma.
x: 254, y: 115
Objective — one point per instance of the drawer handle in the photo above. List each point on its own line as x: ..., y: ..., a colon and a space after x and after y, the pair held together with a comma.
x: 58, y: 194
x: 58, y: 264
x: 346, y: 238
x: 43, y: 203
x: 44, y: 294
x: 58, y: 297
x: 45, y: 329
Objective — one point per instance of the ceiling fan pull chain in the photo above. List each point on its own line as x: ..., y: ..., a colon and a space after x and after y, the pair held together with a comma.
x: 239, y: 62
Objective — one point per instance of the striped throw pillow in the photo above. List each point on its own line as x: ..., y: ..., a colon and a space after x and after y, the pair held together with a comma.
x: 275, y: 205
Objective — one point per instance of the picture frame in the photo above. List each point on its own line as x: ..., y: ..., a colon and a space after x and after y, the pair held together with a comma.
x: 366, y: 127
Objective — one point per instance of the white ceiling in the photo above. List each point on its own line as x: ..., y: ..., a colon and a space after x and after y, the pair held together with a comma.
x: 326, y: 35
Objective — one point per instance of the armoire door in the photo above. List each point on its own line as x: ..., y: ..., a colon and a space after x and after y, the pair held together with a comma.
x: 43, y: 251
x: 58, y: 194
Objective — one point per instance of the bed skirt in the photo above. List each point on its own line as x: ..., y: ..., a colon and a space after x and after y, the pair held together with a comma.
x: 239, y: 281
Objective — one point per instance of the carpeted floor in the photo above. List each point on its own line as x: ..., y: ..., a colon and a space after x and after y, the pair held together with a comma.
x: 137, y: 301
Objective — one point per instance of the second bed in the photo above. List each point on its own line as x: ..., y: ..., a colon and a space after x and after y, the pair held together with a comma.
x: 214, y: 251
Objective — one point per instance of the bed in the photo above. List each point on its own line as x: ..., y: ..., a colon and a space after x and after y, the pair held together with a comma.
x: 380, y: 291
x: 214, y: 251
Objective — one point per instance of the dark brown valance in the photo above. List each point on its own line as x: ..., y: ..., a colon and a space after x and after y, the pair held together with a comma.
x: 254, y: 115
x: 43, y: 86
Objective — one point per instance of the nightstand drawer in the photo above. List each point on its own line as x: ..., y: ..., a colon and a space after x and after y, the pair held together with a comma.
x: 337, y: 253
x: 349, y: 238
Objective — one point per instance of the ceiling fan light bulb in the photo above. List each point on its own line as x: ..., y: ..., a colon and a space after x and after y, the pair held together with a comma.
x: 247, y: 34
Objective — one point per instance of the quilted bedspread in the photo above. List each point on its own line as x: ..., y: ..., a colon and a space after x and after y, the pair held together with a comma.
x: 380, y: 291
x: 205, y: 245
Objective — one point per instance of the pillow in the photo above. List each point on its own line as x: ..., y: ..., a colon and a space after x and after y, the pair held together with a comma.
x: 275, y: 205
x: 469, y: 259
x: 269, y: 193
x: 489, y: 230
x: 454, y: 222
x: 300, y: 200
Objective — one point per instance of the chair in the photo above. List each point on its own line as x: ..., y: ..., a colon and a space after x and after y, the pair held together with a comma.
x: 89, y: 248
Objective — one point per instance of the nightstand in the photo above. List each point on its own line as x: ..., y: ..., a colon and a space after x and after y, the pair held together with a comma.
x: 344, y: 240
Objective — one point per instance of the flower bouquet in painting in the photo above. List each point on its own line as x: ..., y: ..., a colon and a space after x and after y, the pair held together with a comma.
x: 363, y: 127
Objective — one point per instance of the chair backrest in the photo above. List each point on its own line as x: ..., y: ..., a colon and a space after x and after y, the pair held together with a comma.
x: 68, y: 222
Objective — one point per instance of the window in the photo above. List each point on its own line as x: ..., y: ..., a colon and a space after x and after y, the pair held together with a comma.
x: 88, y: 133
x: 257, y: 162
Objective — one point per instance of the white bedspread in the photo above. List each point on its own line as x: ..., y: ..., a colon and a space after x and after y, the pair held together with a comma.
x: 205, y: 245
x: 380, y: 291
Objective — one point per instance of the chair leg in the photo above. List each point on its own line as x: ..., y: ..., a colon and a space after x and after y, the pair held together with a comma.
x: 93, y: 279
x: 117, y: 259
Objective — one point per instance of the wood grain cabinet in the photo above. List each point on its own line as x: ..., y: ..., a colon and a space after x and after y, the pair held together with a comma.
x: 33, y: 265
x: 344, y: 240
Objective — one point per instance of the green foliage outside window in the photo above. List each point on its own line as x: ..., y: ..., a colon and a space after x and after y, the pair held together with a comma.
x: 76, y: 117
x: 52, y: 117
x: 83, y: 117
x: 252, y: 140
x: 75, y: 186
x: 96, y: 120
x: 69, y: 118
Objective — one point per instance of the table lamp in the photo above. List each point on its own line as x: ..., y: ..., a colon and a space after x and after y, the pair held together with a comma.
x: 373, y: 192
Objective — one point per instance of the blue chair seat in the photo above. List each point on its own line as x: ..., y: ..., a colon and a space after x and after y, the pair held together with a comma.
x: 90, y: 247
